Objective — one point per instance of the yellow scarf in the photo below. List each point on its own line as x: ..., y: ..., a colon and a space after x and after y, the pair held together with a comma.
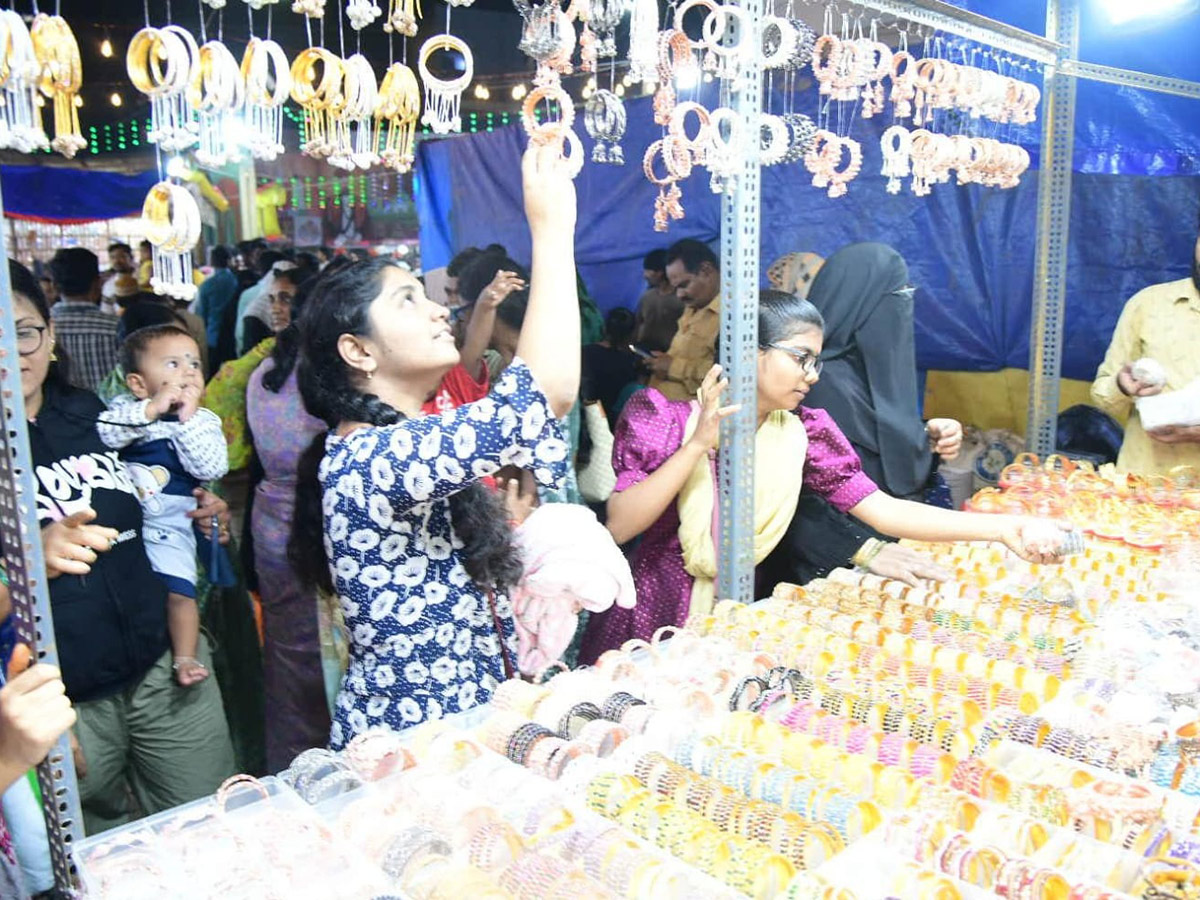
x: 779, y: 450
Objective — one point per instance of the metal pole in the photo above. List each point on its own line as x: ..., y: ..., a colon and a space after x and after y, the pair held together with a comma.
x: 1053, y: 227
x: 739, y: 327
x: 21, y: 542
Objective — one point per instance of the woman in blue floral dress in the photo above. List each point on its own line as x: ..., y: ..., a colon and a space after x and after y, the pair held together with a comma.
x: 390, y: 513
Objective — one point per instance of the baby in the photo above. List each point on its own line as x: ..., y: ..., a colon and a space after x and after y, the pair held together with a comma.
x: 170, y: 444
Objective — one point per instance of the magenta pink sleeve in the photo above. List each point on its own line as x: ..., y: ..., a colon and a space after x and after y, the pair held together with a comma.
x: 648, y: 433
x: 832, y: 469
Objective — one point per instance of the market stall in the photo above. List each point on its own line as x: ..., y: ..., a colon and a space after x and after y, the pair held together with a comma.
x: 1022, y: 731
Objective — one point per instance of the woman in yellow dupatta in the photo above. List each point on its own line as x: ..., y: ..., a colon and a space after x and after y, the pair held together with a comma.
x: 664, y: 459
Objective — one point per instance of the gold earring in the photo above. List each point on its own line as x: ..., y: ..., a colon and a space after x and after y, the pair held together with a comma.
x: 53, y: 355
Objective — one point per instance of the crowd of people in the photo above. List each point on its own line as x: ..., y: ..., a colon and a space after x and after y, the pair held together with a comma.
x: 374, y: 453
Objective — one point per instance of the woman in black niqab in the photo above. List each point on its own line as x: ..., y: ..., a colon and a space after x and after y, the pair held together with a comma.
x: 869, y: 383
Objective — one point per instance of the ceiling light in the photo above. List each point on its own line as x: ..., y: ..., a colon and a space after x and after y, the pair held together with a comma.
x: 620, y: 90
x: 106, y: 49
x: 115, y: 99
x: 78, y: 101
x: 519, y: 91
x: 687, y: 77
x: 481, y: 92
x: 1122, y: 11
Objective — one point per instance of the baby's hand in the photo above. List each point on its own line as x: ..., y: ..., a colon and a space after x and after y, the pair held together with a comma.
x: 168, y: 396
x: 189, y: 402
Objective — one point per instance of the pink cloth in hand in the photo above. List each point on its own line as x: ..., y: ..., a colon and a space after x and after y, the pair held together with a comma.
x: 571, y: 564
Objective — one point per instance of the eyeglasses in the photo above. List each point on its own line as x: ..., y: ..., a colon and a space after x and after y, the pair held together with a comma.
x: 30, y: 339
x: 809, y: 362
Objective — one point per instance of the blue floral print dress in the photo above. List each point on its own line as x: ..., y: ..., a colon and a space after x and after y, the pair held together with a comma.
x: 423, y: 639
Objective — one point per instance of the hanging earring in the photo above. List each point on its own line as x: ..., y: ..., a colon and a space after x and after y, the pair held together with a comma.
x: 53, y: 355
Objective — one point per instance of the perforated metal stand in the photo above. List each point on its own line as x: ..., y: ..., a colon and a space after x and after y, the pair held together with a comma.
x: 739, y: 328
x: 20, y: 536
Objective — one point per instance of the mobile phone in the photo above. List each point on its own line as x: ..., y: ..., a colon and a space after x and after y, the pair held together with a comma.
x: 644, y: 354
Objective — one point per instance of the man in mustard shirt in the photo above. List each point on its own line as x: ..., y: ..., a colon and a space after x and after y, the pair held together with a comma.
x: 1161, y: 322
x: 695, y: 275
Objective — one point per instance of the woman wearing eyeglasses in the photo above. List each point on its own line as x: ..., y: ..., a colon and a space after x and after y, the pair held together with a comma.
x: 664, y: 458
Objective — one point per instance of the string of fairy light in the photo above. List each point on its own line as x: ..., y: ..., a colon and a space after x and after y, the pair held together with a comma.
x: 126, y: 135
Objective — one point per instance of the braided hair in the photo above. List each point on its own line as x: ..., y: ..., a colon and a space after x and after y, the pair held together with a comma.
x: 338, y: 305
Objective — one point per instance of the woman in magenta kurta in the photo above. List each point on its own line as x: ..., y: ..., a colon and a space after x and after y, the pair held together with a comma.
x: 659, y: 444
x: 651, y: 430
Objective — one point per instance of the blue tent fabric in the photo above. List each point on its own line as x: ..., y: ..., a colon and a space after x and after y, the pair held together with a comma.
x: 970, y: 249
x: 64, y: 195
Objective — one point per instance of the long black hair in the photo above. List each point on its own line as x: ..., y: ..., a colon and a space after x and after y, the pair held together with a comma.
x: 287, y: 342
x: 339, y: 304
x: 27, y: 286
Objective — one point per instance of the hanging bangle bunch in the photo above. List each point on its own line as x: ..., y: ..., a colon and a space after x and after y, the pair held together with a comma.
x: 354, y: 119
x: 674, y: 57
x: 268, y: 84
x: 774, y: 139
x: 160, y: 62
x: 643, y: 41
x: 696, y: 146
x: 312, y: 9
x: 667, y: 206
x: 896, y: 144
x: 318, y: 97
x: 361, y: 13
x: 876, y: 59
x: 540, y: 38
x: 725, y: 153
x: 603, y: 17
x: 216, y: 93
x: 904, y: 83
x: 604, y: 118
x: 403, y: 16
x: 825, y: 157
x: 941, y: 84
x: 553, y: 132
x: 172, y: 221
x: 21, y: 127
x: 725, y: 60
x: 57, y: 52
x: 786, y: 43
x: 801, y: 130
x: 396, y: 118
x: 443, y: 98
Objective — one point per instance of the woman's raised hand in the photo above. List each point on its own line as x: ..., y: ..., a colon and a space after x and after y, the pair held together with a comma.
x: 708, y: 426
x: 549, y: 191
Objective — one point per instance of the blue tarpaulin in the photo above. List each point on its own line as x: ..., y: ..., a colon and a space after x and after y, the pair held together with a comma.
x: 65, y: 196
x: 1135, y: 204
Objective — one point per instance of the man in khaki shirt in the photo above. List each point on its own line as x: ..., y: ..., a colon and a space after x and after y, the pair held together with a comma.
x: 1161, y: 322
x: 695, y: 275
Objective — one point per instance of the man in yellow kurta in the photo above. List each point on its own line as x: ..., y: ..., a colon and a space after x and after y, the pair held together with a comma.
x: 695, y: 275
x: 1161, y: 322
